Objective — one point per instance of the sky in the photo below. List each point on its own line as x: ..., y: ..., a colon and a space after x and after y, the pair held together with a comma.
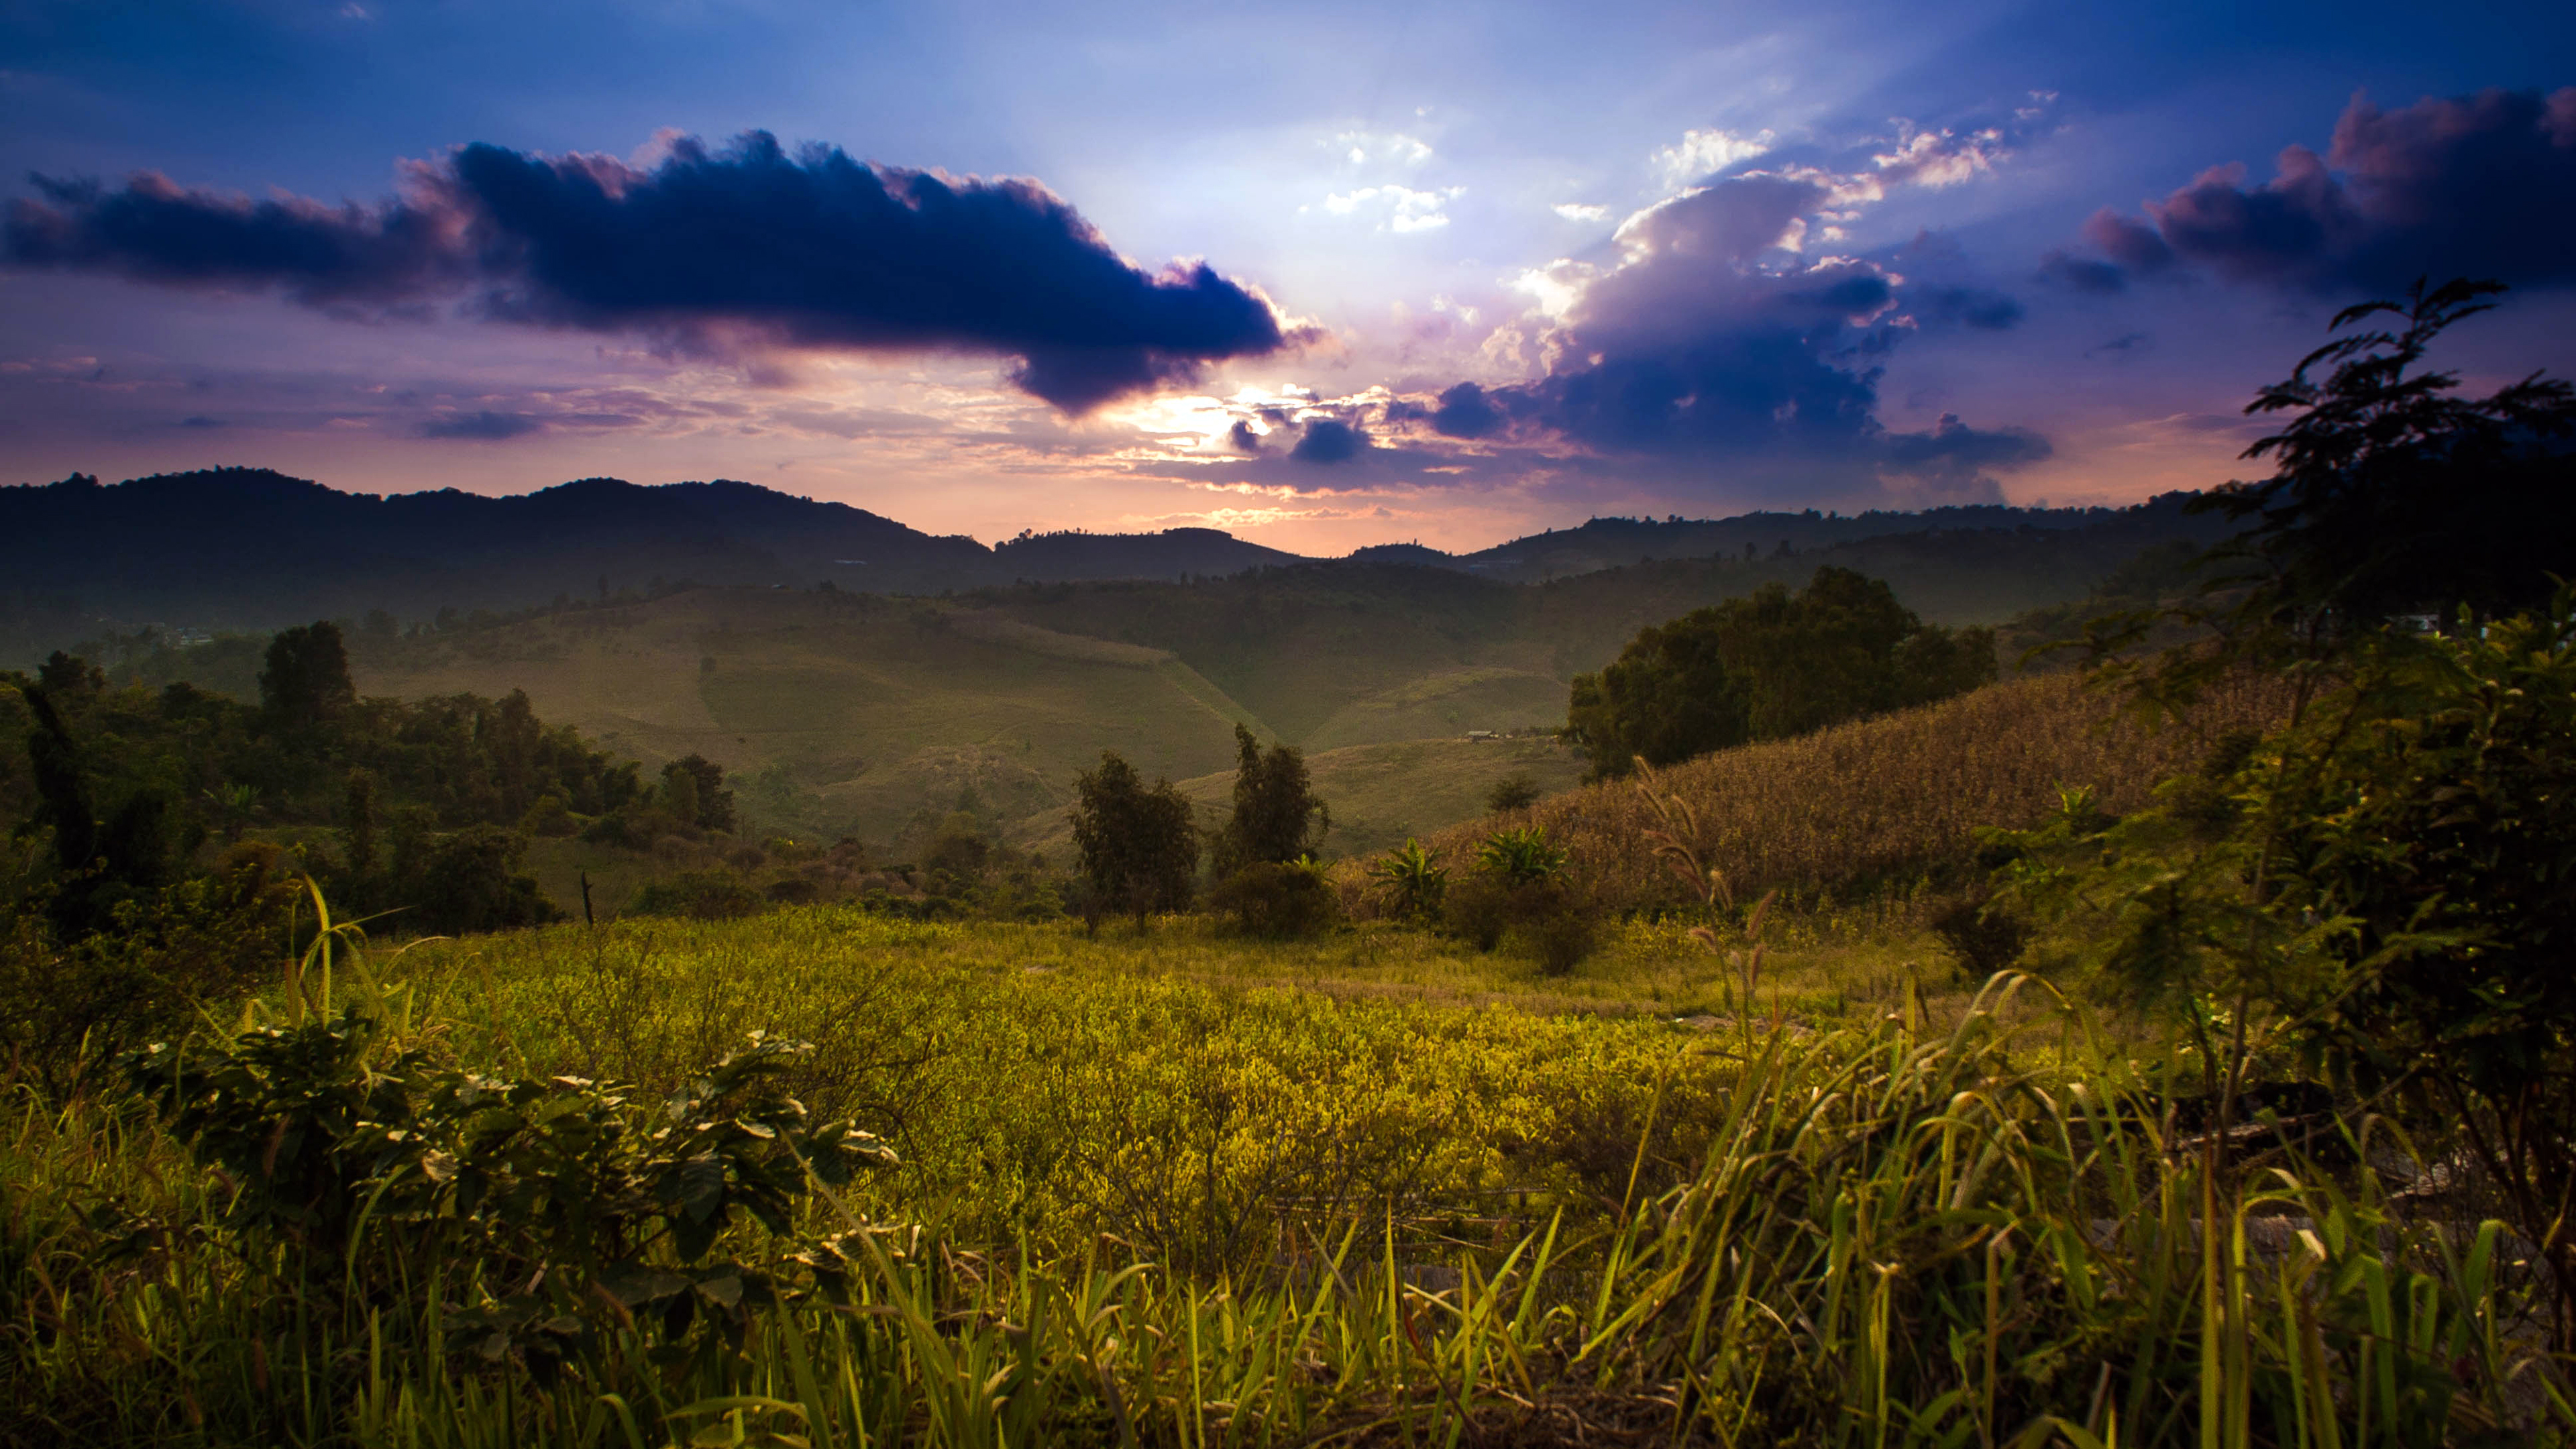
x: 1321, y: 276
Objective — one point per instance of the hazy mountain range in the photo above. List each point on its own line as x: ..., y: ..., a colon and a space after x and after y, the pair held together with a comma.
x: 252, y: 549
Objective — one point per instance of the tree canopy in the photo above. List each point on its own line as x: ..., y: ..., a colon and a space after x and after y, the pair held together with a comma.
x: 1766, y: 666
x: 1138, y: 845
x: 1276, y: 816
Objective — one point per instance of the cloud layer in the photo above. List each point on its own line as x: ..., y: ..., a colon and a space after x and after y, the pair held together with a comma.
x: 718, y: 253
x: 1717, y: 339
x: 2481, y: 185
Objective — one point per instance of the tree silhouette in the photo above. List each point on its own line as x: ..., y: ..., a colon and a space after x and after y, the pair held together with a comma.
x: 2391, y: 494
x: 306, y: 684
x: 1276, y: 816
x: 1138, y: 846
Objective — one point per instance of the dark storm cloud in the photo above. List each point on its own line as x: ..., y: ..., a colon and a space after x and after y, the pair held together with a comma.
x: 1711, y: 343
x: 1954, y: 459
x: 484, y: 426
x: 2482, y: 185
x: 154, y: 231
x: 1329, y: 440
x: 1243, y: 439
x: 719, y: 253
x: 1465, y: 412
x: 1976, y: 307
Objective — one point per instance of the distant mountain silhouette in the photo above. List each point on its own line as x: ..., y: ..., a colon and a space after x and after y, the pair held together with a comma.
x: 252, y: 549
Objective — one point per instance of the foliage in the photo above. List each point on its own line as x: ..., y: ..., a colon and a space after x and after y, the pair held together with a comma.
x: 1982, y: 936
x: 2431, y: 818
x: 2390, y: 495
x: 1410, y: 880
x: 193, y: 946
x: 556, y: 1210
x: 1282, y: 900
x: 1512, y: 792
x: 693, y: 791
x: 1139, y: 847
x: 1877, y: 805
x: 1276, y: 817
x: 701, y: 895
x: 1769, y: 666
x: 1520, y: 886
x: 1881, y: 1233
x: 305, y: 685
x: 2385, y: 883
x: 472, y: 882
x: 1520, y: 856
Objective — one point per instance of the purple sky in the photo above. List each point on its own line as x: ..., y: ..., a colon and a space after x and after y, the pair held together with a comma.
x: 1323, y: 277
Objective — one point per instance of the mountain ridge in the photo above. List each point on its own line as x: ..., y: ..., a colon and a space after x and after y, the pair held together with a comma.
x: 239, y: 548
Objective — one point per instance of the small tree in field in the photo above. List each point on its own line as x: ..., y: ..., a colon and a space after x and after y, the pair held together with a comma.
x: 1138, y: 846
x: 1277, y: 818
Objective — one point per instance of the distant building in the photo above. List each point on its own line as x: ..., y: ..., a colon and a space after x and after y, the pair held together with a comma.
x: 1483, y: 735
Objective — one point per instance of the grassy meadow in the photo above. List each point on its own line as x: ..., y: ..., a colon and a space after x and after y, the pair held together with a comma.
x: 1172, y: 1187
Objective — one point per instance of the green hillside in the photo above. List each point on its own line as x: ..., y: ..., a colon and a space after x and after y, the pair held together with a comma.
x: 841, y: 712
x: 847, y: 713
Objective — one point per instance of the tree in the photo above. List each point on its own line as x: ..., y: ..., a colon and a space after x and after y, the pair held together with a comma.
x: 1276, y: 816
x: 2389, y: 495
x: 306, y: 682
x: 2429, y: 819
x: 1768, y: 666
x: 693, y: 790
x: 1138, y: 846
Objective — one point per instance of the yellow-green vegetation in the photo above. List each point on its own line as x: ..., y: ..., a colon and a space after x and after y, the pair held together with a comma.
x: 1179, y: 1190
x: 1885, y: 801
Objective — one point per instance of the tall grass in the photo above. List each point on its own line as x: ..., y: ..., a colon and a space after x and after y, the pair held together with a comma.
x: 1886, y: 800
x: 1990, y: 1234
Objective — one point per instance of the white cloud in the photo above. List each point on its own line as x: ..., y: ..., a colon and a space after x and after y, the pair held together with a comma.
x: 1937, y: 158
x: 1556, y: 287
x: 1362, y: 147
x: 1699, y: 153
x: 1581, y: 211
x: 1407, y: 210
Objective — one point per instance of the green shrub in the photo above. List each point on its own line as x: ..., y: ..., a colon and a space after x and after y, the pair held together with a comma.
x: 1410, y: 881
x: 561, y: 1212
x: 1477, y: 910
x: 1983, y: 937
x: 472, y: 882
x: 1290, y: 900
x: 699, y: 895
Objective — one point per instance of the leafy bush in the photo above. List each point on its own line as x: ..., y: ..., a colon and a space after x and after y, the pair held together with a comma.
x: 192, y: 946
x: 1982, y: 936
x: 556, y: 1209
x: 1477, y: 910
x: 1290, y: 900
x: 1410, y: 881
x: 1520, y: 888
x: 472, y: 882
x: 1513, y: 792
x: 1521, y: 856
x: 700, y: 895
